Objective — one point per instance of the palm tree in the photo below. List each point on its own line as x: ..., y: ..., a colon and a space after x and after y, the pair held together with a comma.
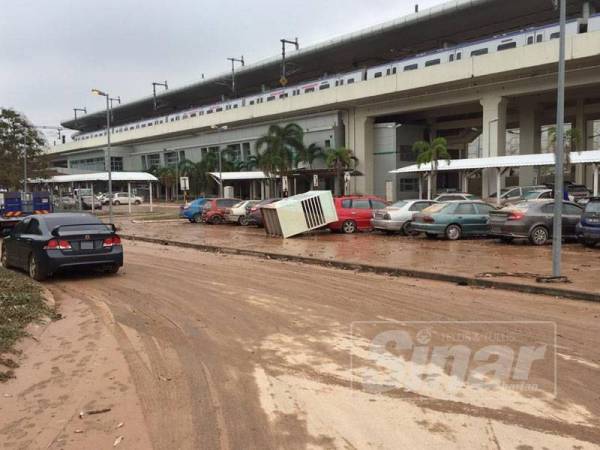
x: 308, y: 154
x: 432, y: 152
x: 252, y: 162
x: 166, y: 176
x: 277, y: 149
x: 572, y: 141
x: 340, y: 159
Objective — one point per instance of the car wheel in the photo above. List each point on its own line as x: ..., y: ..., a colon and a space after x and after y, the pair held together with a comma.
x: 116, y: 203
x: 453, y: 232
x: 244, y: 221
x: 539, y: 235
x: 407, y: 229
x: 349, y: 227
x: 506, y: 239
x: 196, y: 218
x: 35, y: 271
x: 112, y: 269
x: 588, y: 243
x: 137, y: 202
x: 216, y: 220
x: 4, y: 259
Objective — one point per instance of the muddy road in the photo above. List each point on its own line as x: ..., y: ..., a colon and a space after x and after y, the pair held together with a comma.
x: 237, y: 353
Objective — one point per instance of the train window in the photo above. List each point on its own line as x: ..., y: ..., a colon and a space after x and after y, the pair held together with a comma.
x: 324, y: 86
x: 539, y: 38
x: 271, y: 98
x: 310, y: 89
x: 481, y: 51
x: 350, y: 81
x: 507, y: 46
x: 555, y: 35
x: 411, y: 67
x: 530, y: 40
x: 433, y: 62
x: 377, y: 75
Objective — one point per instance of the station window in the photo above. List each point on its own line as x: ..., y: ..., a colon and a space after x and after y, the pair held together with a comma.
x: 271, y: 98
x: 411, y: 67
x: 341, y: 82
x: 310, y: 89
x: 530, y: 40
x: 235, y: 106
x: 458, y: 56
x: 284, y: 95
x: 539, y: 38
x: 193, y: 115
x: 451, y: 58
x: 555, y: 35
x: 209, y: 111
x: 200, y: 113
x: 481, y: 51
x: 507, y: 46
x: 228, y: 107
x: 185, y: 116
x: 252, y: 102
x: 377, y: 75
x: 350, y: 80
x: 432, y: 62
x: 219, y: 109
x: 177, y: 118
x: 324, y: 86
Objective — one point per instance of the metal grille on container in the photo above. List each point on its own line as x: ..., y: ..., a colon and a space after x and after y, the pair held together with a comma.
x: 313, y: 212
x: 272, y: 225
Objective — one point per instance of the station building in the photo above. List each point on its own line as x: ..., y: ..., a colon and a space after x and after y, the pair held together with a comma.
x: 481, y: 73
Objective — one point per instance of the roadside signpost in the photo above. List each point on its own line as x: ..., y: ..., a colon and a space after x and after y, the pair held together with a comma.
x: 184, y: 183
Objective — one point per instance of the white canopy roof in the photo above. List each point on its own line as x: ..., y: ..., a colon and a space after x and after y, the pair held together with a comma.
x: 231, y: 176
x: 103, y: 176
x: 501, y: 162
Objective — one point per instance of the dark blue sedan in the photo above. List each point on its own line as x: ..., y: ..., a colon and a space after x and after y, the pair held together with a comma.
x: 588, y: 229
x: 45, y: 244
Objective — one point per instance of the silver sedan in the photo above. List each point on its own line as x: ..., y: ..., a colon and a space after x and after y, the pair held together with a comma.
x: 397, y: 217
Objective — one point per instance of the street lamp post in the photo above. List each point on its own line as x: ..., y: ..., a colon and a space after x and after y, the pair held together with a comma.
x: 108, y: 153
x: 25, y: 163
x: 219, y: 130
x: 560, y: 142
x: 154, y: 84
x: 233, y: 61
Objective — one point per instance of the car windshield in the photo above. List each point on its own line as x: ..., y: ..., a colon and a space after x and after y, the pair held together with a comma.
x: 239, y: 204
x: 399, y: 204
x: 531, y: 195
x: 593, y: 207
x: 436, y: 208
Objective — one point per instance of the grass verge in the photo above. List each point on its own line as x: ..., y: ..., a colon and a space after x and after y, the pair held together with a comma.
x: 21, y: 303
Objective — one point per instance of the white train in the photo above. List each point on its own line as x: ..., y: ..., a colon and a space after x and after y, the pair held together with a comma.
x: 472, y: 49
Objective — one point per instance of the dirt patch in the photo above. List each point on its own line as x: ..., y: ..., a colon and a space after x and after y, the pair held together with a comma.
x: 21, y: 303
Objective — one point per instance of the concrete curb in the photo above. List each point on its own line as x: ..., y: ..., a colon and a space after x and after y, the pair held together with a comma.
x: 383, y: 270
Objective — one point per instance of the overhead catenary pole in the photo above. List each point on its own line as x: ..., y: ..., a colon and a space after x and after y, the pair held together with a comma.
x: 233, y: 61
x: 283, y: 80
x: 560, y: 142
x: 154, y: 84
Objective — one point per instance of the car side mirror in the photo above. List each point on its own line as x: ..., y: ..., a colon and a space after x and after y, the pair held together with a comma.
x: 6, y: 232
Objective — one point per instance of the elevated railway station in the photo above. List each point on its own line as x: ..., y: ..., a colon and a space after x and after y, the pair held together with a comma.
x: 477, y: 72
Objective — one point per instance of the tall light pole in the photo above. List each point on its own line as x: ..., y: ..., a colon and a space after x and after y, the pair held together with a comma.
x: 219, y: 130
x: 233, y: 61
x: 283, y: 80
x: 154, y: 84
x: 25, y: 162
x: 108, y: 155
x: 560, y: 142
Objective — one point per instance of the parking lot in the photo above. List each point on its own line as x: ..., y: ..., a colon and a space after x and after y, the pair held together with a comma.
x: 472, y: 257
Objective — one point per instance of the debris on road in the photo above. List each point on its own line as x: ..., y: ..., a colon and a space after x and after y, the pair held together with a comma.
x: 118, y: 441
x: 93, y: 411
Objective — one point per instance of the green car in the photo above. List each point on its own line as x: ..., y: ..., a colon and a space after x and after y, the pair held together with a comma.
x: 454, y: 219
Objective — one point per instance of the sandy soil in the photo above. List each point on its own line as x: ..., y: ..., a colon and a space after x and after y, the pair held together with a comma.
x: 71, y: 366
x: 469, y: 257
x: 238, y: 353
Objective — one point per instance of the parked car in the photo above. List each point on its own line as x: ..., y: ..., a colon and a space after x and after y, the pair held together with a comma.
x: 355, y: 212
x: 514, y: 194
x: 255, y: 216
x: 122, y: 198
x: 213, y: 211
x: 588, y: 228
x: 103, y: 198
x: 46, y: 243
x: 398, y: 217
x: 454, y: 219
x: 578, y: 192
x: 453, y: 196
x: 533, y: 220
x: 239, y: 212
x: 192, y: 211
x: 538, y: 194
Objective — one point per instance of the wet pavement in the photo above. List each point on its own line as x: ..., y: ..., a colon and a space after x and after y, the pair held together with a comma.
x: 518, y: 262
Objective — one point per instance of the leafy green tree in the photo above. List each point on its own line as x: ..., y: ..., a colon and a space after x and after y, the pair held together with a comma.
x: 278, y: 148
x: 572, y: 142
x: 17, y: 133
x: 432, y: 152
x: 166, y: 176
x: 309, y: 155
x: 340, y: 159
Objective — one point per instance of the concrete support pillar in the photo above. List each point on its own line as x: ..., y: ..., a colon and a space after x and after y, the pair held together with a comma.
x: 582, y: 127
x: 493, y: 137
x: 360, y: 141
x: 530, y: 138
x: 596, y: 170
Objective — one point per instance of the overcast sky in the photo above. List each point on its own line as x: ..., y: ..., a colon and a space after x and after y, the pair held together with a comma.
x: 52, y: 52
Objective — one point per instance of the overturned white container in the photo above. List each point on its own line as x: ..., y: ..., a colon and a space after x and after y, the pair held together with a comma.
x: 299, y: 213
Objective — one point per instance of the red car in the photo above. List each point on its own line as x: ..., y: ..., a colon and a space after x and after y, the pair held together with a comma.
x: 213, y: 211
x: 355, y: 212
